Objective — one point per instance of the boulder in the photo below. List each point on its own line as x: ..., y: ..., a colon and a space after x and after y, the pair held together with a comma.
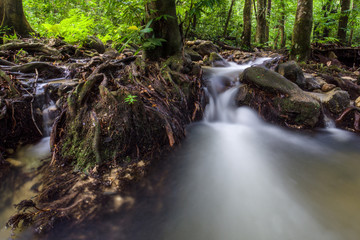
x: 336, y: 100
x: 193, y: 55
x: 93, y: 42
x: 277, y: 99
x: 205, y: 48
x: 216, y: 60
x: 293, y: 72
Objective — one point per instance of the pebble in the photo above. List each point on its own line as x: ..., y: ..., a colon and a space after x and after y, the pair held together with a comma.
x: 357, y: 102
x: 14, y: 162
x: 327, y: 87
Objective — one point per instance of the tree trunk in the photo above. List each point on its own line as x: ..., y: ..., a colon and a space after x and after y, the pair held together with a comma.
x: 300, y: 49
x: 13, y: 19
x: 246, y: 35
x: 165, y: 26
x: 282, y: 24
x: 267, y: 28
x: 343, y: 21
x: 228, y: 18
x: 261, y: 22
x: 353, y: 20
x: 327, y: 9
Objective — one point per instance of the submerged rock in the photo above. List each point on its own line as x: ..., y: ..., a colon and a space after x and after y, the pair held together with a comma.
x: 277, y: 99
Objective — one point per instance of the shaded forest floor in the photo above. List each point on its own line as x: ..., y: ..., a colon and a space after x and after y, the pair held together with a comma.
x: 114, y: 116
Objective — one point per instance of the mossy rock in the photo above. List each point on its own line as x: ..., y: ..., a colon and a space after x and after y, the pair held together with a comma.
x: 278, y: 99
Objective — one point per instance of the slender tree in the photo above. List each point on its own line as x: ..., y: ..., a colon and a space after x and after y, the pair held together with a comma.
x: 282, y: 24
x: 165, y: 26
x: 228, y: 18
x: 260, y: 36
x: 267, y: 27
x: 13, y: 19
x: 343, y: 21
x: 246, y: 35
x: 281, y: 27
x: 354, y: 14
x: 300, y: 49
x: 327, y: 9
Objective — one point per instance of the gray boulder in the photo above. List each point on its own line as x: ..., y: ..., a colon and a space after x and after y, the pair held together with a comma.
x: 277, y: 99
x: 336, y: 100
x: 293, y: 72
x: 216, y: 60
x: 205, y: 48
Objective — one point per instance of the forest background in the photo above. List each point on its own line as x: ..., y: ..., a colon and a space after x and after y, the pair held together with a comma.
x: 122, y: 23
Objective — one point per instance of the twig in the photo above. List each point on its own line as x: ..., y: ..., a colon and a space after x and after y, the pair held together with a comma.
x: 32, y: 100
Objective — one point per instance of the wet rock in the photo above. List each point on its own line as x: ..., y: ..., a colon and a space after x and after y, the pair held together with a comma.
x: 327, y: 87
x: 277, y: 99
x: 312, y: 83
x: 205, y: 48
x: 357, y: 102
x: 293, y: 72
x: 336, y: 100
x: 193, y: 55
x: 217, y: 61
x: 45, y: 70
x: 93, y: 42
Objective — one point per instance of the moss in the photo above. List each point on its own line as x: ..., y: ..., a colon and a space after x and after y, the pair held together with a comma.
x: 303, y: 113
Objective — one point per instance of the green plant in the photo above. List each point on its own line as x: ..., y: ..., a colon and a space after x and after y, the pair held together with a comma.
x: 74, y: 29
x: 130, y: 99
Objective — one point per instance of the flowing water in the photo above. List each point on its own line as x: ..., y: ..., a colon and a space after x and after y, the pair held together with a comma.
x: 23, y: 181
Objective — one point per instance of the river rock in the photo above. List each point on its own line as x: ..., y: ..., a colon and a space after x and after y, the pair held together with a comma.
x: 357, y: 102
x: 293, y: 72
x: 336, y: 100
x: 217, y: 61
x: 93, y: 42
x: 277, y: 99
x: 193, y: 54
x: 327, y: 87
x: 205, y: 48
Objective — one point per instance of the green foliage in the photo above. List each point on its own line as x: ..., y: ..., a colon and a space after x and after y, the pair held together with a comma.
x: 199, y: 19
x: 130, y: 99
x: 73, y: 29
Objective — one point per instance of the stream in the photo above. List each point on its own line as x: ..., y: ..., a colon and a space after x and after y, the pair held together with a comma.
x: 238, y: 177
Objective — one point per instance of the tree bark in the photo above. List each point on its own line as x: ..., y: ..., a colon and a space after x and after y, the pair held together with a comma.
x: 228, y: 18
x: 353, y: 20
x: 282, y: 24
x: 13, y: 19
x: 343, y: 21
x: 268, y: 13
x: 260, y: 36
x: 165, y: 26
x: 246, y: 35
x: 300, y: 49
x: 327, y: 10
